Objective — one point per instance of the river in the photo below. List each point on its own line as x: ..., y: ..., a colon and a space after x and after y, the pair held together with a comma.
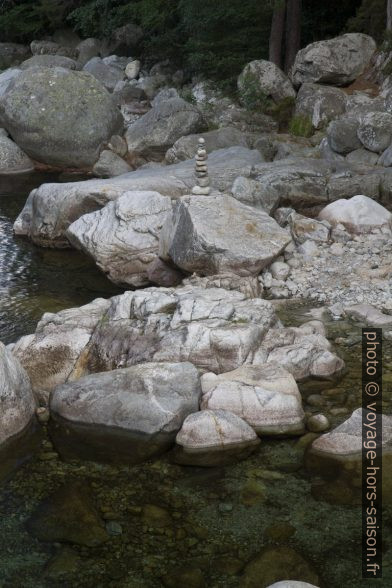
x: 169, y: 525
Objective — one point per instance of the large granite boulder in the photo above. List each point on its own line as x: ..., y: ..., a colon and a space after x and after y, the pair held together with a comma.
x: 266, y: 78
x: 122, y: 238
x: 342, y: 134
x: 6, y: 78
x: 152, y: 134
x: 127, y: 415
x: 375, y: 131
x: 51, y: 208
x: 12, y: 158
x: 215, y: 329
x: 50, y: 355
x: 108, y: 75
x: 50, y: 61
x: 320, y: 104
x: 16, y: 398
x: 337, y: 61
x: 265, y: 396
x: 12, y: 54
x: 359, y: 214
x: 214, y: 437
x: 186, y: 147
x: 58, y: 116
x: 217, y: 234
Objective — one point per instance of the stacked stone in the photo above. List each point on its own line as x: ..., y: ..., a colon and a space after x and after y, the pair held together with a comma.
x: 203, y: 181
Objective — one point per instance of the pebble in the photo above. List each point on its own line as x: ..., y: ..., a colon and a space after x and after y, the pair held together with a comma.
x: 318, y: 423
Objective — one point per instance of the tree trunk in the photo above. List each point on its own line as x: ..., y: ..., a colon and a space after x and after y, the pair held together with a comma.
x: 277, y: 30
x: 293, y: 32
x: 389, y: 15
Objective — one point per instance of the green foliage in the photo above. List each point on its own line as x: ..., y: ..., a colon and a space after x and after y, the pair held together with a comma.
x: 370, y: 19
x: 24, y: 21
x: 251, y: 96
x: 301, y: 126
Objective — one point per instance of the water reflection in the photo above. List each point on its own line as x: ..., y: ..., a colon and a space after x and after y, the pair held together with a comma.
x: 35, y: 280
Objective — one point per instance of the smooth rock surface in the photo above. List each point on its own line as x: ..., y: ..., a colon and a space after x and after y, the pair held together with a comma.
x: 265, y: 396
x: 211, y: 235
x: 16, y: 397
x: 122, y: 238
x: 214, y: 437
x: 359, y: 214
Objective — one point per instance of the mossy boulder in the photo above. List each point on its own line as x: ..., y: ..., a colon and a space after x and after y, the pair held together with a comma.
x: 59, y: 117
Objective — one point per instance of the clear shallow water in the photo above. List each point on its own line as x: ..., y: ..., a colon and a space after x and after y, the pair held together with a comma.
x: 35, y: 280
x: 168, y: 525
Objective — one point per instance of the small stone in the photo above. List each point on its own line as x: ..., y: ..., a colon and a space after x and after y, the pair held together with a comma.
x: 43, y: 414
x: 132, y: 70
x: 318, y: 423
x: 199, y: 191
x: 114, y: 528
x: 253, y: 492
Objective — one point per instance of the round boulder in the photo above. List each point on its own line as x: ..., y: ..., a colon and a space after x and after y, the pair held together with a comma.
x: 58, y: 116
x: 375, y: 131
x: 266, y: 78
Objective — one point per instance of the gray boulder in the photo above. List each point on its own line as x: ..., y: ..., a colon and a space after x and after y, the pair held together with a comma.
x: 342, y: 134
x: 52, y: 48
x: 186, y: 147
x: 359, y: 214
x: 303, y: 228
x: 214, y: 437
x: 215, y: 329
x: 16, y: 398
x: 368, y: 315
x: 107, y: 75
x: 64, y: 121
x: 201, y: 236
x: 375, y: 131
x: 122, y: 238
x: 266, y: 78
x: 12, y: 158
x: 364, y: 157
x: 12, y: 54
x: 265, y: 396
x: 320, y: 103
x: 385, y: 158
x: 337, y: 61
x: 253, y: 193
x: 87, y: 49
x: 110, y: 165
x: 152, y: 134
x: 50, y: 61
x: 51, y: 208
x: 129, y: 415
x: 50, y: 356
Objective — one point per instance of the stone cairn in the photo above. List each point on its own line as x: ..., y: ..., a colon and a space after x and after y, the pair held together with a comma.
x: 202, y: 187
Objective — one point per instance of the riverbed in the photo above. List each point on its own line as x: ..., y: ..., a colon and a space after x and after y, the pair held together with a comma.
x: 169, y: 525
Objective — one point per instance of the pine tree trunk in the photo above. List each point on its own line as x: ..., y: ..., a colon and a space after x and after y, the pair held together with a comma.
x: 389, y: 15
x: 293, y: 32
x: 277, y: 30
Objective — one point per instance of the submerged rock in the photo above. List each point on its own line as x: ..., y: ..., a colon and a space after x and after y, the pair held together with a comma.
x: 126, y: 415
x: 214, y: 437
x: 277, y: 563
x: 68, y: 516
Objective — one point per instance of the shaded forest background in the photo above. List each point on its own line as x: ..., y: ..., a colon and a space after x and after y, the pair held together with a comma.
x: 214, y: 38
